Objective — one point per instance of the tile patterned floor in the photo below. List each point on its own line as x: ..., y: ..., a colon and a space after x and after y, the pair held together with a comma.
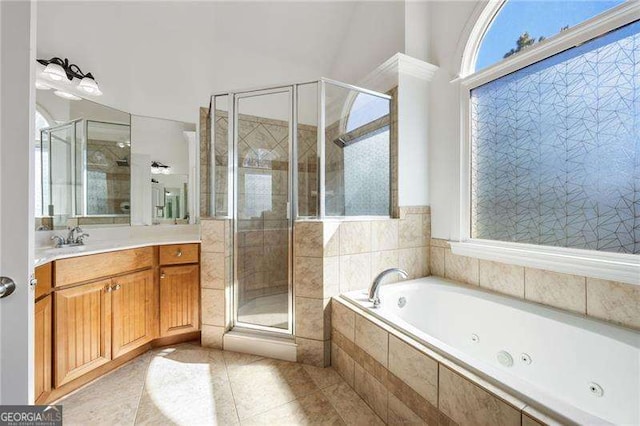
x: 190, y: 385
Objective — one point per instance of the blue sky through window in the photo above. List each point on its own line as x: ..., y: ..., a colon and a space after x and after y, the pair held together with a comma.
x: 538, y: 18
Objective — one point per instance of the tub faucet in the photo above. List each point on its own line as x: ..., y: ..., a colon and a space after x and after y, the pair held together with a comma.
x: 377, y: 282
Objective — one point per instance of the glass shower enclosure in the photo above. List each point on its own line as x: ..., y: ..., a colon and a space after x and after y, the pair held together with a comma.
x: 309, y: 150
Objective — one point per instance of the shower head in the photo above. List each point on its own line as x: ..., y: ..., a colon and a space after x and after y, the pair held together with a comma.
x: 341, y: 141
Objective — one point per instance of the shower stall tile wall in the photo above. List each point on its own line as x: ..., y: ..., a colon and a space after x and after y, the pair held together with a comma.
x: 606, y: 300
x: 333, y: 257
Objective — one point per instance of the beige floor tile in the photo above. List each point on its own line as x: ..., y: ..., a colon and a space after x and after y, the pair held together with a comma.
x: 314, y: 409
x: 188, y: 385
x: 111, y: 400
x: 266, y: 384
x: 352, y: 409
x: 238, y: 359
x: 323, y: 377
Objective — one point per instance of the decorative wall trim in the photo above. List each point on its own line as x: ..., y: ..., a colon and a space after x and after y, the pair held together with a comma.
x: 609, y: 266
x: 387, y: 75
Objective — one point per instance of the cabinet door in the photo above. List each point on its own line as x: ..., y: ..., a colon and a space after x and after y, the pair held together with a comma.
x: 42, y: 333
x: 82, y: 330
x: 179, y: 299
x: 132, y: 312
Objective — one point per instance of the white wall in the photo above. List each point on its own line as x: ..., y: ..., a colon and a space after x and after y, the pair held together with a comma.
x: 374, y: 32
x: 413, y: 141
x: 449, y: 20
x: 165, y: 59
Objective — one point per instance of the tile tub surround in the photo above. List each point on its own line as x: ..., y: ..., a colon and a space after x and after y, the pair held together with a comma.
x: 405, y: 382
x: 611, y: 301
x: 188, y: 384
x: 333, y: 257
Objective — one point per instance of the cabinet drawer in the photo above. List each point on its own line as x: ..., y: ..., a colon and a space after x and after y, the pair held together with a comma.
x: 86, y: 268
x: 44, y: 276
x: 176, y: 254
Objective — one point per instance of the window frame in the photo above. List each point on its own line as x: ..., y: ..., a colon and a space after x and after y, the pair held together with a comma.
x: 599, y: 264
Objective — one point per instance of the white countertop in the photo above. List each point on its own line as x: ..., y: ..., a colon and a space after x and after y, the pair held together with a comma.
x: 132, y: 238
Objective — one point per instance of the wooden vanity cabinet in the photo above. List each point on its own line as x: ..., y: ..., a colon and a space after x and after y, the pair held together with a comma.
x: 179, y: 299
x: 82, y: 330
x: 132, y: 312
x: 42, y: 348
x: 43, y: 333
x: 100, y: 310
x: 179, y: 289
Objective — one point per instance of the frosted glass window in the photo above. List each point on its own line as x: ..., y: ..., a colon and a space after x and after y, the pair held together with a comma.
x: 366, y: 180
x: 556, y: 149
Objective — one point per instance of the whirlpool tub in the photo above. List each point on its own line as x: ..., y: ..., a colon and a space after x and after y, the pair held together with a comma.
x: 576, y: 368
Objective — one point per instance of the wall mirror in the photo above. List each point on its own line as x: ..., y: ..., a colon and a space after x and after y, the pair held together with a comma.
x: 83, y: 152
x: 163, y: 155
x: 98, y: 166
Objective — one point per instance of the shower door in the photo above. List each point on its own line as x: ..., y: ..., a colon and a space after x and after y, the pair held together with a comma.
x: 263, y: 134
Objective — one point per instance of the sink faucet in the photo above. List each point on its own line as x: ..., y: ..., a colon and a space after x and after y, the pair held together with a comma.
x: 75, y: 237
x: 377, y: 282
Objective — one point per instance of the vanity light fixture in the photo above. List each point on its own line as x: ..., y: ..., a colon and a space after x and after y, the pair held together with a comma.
x: 57, y: 69
x: 157, y: 168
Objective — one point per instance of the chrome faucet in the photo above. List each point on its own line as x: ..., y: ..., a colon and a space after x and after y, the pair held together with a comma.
x: 377, y: 282
x: 75, y: 237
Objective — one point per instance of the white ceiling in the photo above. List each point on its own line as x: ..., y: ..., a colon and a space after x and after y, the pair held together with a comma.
x: 164, y: 59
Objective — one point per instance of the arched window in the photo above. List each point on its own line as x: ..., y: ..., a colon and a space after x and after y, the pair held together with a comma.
x: 550, y: 134
x: 520, y: 24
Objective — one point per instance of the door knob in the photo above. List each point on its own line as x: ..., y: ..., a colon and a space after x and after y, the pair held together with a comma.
x: 7, y: 286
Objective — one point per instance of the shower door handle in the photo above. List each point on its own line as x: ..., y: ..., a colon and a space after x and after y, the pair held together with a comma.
x: 288, y: 210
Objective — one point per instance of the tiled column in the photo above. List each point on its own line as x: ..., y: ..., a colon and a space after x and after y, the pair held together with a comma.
x: 315, y: 279
x: 215, y: 276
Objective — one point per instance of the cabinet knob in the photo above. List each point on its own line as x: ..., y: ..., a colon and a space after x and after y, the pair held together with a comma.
x: 179, y: 252
x: 162, y: 275
x: 117, y: 287
x: 108, y: 289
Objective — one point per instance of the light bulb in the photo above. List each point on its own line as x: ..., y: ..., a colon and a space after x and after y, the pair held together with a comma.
x: 54, y: 72
x: 89, y: 86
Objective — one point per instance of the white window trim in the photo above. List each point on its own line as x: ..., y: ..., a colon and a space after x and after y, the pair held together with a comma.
x: 597, y: 264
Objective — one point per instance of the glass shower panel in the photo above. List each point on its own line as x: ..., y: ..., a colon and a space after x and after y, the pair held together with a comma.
x: 357, y: 152
x: 307, y: 149
x: 262, y: 145
x: 61, y: 152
